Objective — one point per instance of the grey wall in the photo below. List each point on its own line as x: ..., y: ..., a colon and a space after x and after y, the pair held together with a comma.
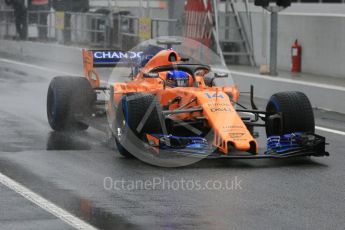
x: 70, y: 58
x: 322, y: 39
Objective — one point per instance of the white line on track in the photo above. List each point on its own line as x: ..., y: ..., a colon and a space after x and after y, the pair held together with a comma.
x: 219, y: 69
x: 45, y: 204
x: 42, y: 68
x: 35, y: 66
x: 314, y: 14
x: 285, y: 80
x: 330, y: 130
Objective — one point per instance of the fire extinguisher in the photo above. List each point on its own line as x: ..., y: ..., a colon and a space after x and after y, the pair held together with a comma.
x: 296, y: 57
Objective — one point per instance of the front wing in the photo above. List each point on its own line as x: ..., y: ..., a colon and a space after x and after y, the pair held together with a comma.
x: 286, y: 146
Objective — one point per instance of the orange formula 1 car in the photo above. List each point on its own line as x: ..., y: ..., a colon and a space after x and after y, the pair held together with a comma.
x: 173, y: 106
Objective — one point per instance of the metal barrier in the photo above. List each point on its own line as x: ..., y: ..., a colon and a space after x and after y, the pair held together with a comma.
x: 86, y: 28
x: 40, y: 19
x: 91, y: 29
x: 164, y: 27
x: 74, y: 28
x: 7, y: 24
x: 126, y: 32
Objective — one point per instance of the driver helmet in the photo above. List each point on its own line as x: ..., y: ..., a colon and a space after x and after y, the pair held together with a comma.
x: 177, y: 79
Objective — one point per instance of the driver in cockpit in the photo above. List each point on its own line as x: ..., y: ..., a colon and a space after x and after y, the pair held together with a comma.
x: 177, y: 78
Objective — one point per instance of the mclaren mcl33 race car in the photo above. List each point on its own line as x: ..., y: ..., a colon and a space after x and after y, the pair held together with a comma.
x: 170, y: 106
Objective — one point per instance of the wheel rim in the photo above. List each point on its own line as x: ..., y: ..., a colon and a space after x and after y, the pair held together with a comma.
x: 271, y: 109
x: 120, y: 129
x: 51, y: 106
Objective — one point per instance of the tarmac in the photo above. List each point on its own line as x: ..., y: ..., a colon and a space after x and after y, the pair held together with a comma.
x: 69, y: 170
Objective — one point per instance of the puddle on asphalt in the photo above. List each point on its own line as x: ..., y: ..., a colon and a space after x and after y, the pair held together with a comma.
x: 79, y: 206
x: 18, y: 134
x: 17, y: 77
x: 101, y: 218
x: 67, y: 141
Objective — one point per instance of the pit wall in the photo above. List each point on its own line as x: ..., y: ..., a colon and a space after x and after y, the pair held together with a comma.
x: 54, y: 53
x: 322, y: 96
x: 322, y: 39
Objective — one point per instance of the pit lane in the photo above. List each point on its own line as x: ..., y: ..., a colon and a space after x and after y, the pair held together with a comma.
x: 289, y: 194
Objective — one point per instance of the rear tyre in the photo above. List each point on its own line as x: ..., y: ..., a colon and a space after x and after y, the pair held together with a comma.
x: 69, y: 101
x: 296, y: 110
x: 129, y: 117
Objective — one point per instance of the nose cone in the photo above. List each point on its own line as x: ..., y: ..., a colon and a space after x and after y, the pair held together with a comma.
x: 226, y: 123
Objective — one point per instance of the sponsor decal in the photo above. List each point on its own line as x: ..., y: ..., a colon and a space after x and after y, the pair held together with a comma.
x: 60, y: 20
x: 236, y: 135
x: 116, y: 55
x: 145, y: 28
x: 214, y: 95
x: 220, y: 107
x: 218, y: 104
x: 224, y: 109
x: 233, y: 127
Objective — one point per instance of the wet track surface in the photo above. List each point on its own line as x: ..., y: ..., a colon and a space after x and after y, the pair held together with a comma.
x: 70, y: 170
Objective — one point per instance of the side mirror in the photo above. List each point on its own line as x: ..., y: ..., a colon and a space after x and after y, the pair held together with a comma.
x: 151, y: 75
x: 221, y: 75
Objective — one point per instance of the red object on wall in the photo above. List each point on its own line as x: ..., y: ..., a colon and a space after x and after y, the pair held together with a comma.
x: 39, y: 2
x: 197, y: 24
x: 296, y: 57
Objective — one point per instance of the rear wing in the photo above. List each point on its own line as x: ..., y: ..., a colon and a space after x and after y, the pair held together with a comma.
x: 107, y: 58
x: 111, y: 58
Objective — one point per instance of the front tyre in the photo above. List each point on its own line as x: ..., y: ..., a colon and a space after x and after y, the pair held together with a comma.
x: 296, y: 114
x: 130, y: 123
